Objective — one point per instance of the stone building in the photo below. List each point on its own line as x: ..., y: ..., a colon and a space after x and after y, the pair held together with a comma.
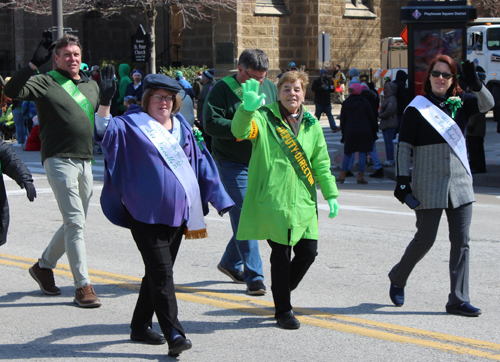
x: 288, y: 30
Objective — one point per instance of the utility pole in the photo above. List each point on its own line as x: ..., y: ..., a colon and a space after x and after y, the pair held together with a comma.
x: 57, y: 19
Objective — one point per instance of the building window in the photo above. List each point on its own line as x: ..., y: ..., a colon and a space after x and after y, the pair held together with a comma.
x: 271, y: 2
x: 359, y: 3
x: 271, y: 7
x: 358, y: 9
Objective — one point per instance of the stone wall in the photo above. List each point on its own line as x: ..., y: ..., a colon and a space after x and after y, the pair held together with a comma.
x: 354, y: 41
x: 21, y: 32
x: 259, y: 31
x: 292, y: 37
x: 198, y: 43
x: 7, y: 53
x: 390, y: 26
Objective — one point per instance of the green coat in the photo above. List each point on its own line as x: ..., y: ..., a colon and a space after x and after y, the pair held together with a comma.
x: 276, y: 199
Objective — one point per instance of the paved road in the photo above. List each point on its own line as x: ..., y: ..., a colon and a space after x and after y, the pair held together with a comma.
x: 342, y: 303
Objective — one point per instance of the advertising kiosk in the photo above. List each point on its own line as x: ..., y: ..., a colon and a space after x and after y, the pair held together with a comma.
x: 434, y: 27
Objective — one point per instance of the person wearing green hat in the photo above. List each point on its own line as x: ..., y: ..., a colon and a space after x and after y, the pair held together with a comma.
x: 184, y: 84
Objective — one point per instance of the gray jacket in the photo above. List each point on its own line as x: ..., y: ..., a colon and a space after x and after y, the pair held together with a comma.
x: 389, y: 110
x: 187, y: 109
x: 438, y: 176
x: 439, y: 179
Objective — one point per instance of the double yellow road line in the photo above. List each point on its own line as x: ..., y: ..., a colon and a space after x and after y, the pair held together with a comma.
x: 362, y: 327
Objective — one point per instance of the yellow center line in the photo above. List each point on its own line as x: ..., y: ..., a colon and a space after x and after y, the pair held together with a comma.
x: 246, y: 304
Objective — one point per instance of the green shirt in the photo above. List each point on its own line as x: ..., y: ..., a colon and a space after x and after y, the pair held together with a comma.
x: 220, y: 106
x: 65, y: 130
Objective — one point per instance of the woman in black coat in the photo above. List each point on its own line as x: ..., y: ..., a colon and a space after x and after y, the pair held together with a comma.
x: 359, y: 129
x: 14, y: 167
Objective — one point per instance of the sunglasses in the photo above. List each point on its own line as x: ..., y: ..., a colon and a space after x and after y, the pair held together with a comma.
x: 436, y: 74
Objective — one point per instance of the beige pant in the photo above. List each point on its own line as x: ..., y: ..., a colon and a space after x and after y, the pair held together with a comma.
x: 71, y: 181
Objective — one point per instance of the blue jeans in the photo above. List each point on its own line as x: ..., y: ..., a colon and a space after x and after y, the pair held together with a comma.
x: 17, y: 113
x: 346, y: 162
x: 326, y: 109
x: 234, y: 177
x: 389, y: 145
x: 374, y: 155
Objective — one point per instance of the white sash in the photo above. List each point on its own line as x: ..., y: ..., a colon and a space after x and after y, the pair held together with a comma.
x: 445, y: 126
x: 176, y: 159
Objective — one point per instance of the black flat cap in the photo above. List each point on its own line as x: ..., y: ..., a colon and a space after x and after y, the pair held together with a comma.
x: 161, y: 81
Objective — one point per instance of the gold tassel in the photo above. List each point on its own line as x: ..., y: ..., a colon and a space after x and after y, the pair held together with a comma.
x: 196, y: 234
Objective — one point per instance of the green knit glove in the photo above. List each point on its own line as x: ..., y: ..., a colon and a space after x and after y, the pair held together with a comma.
x: 251, y: 98
x: 334, y: 208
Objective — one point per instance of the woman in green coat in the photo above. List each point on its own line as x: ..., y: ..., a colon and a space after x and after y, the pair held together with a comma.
x: 289, y: 156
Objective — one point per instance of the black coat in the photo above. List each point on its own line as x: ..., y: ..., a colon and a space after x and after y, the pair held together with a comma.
x: 322, y: 95
x: 15, y: 168
x: 358, y: 125
x: 372, y: 98
x: 136, y: 93
x: 401, y: 94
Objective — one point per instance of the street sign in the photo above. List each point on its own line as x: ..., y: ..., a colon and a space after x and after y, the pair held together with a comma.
x: 324, y: 48
x: 141, y: 46
x: 404, y: 35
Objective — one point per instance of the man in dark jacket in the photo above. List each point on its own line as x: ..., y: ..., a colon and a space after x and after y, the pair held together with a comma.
x: 15, y: 168
x: 232, y: 158
x: 207, y: 79
x: 401, y: 94
x: 322, y: 87
x: 135, y: 88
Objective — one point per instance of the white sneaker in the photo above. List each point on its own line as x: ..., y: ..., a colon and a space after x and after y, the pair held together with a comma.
x: 389, y: 164
x: 17, y: 145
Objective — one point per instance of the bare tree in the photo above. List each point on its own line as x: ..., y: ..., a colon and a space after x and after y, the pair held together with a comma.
x: 191, y: 10
x: 491, y: 6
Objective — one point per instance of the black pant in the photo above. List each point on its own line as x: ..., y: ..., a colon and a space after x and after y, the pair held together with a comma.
x: 158, y: 245
x: 286, y: 274
x: 459, y: 220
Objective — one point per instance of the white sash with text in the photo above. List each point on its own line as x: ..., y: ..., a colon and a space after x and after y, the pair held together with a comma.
x: 177, y: 161
x: 445, y: 126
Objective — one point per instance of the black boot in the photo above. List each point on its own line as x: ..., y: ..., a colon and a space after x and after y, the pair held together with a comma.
x: 377, y: 174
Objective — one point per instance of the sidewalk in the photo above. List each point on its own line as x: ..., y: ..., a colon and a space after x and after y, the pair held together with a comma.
x: 491, y: 148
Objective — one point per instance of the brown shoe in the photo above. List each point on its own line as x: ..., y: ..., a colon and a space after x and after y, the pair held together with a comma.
x: 341, y: 178
x: 45, y: 279
x: 361, y: 179
x: 85, y: 297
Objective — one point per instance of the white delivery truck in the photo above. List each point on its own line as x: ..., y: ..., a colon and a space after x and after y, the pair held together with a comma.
x: 393, y: 53
x: 393, y: 57
x: 483, y: 48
